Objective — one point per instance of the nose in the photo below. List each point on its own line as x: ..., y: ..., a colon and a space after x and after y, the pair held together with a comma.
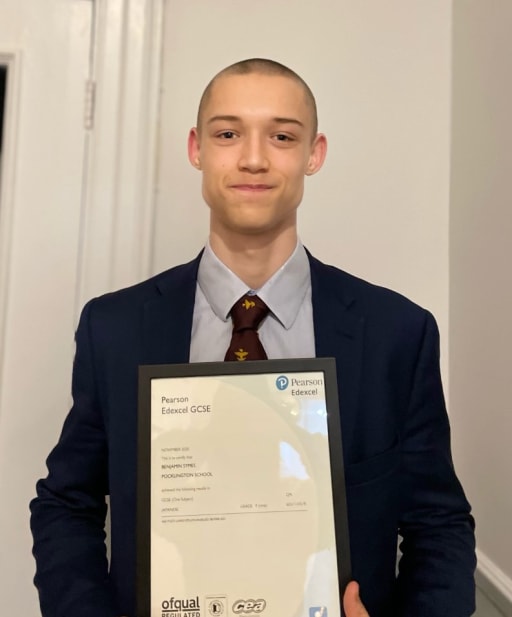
x: 253, y: 155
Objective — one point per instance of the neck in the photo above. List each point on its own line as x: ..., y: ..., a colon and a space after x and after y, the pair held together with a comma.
x: 254, y: 259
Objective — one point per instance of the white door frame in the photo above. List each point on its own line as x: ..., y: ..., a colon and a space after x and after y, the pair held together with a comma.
x: 12, y: 60
x: 121, y: 147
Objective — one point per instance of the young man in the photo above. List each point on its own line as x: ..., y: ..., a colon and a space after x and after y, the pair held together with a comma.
x: 255, y: 141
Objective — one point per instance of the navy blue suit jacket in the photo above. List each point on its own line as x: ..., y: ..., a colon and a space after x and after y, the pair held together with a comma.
x: 396, y: 440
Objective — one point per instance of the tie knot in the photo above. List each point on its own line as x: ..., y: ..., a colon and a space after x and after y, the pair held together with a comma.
x: 248, y: 312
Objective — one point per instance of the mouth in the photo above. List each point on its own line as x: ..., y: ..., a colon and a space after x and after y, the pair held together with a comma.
x: 252, y: 188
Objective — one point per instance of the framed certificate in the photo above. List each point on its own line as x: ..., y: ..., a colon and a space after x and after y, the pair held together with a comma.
x: 241, y: 495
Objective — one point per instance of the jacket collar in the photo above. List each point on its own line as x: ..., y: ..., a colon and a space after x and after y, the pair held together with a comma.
x: 338, y: 326
x: 168, y: 316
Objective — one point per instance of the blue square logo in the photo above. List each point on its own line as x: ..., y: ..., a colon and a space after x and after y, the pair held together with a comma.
x: 318, y: 611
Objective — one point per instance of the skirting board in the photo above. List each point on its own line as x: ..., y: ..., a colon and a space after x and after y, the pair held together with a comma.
x: 495, y: 584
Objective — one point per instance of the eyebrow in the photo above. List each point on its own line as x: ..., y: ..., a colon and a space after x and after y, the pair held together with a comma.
x: 228, y: 118
x: 224, y: 119
x: 288, y: 121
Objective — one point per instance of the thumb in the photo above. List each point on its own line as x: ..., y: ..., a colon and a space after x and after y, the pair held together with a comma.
x: 352, y: 604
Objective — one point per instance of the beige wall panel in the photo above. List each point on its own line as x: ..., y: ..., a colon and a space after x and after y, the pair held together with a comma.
x: 480, y: 273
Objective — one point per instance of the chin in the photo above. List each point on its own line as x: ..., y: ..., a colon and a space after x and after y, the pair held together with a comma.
x: 253, y: 222
x: 250, y: 229
x: 261, y: 228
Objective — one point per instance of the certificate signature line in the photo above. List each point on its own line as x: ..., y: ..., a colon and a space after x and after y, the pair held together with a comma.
x: 230, y: 513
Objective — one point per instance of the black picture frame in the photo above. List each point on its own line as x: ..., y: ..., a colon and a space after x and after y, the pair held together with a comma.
x: 147, y: 373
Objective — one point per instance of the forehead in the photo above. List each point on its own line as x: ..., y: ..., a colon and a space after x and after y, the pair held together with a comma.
x: 256, y: 95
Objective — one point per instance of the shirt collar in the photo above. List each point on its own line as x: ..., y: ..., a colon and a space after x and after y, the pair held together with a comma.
x: 283, y: 293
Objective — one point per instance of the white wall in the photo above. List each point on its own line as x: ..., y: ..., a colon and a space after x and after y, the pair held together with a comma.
x: 39, y: 228
x: 480, y: 274
x: 381, y: 74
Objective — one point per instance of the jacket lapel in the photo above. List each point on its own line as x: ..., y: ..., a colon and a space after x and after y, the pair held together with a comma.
x: 339, y: 329
x: 168, y: 316
x: 339, y: 334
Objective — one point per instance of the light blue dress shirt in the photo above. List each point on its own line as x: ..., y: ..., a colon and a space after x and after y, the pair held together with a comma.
x: 288, y: 330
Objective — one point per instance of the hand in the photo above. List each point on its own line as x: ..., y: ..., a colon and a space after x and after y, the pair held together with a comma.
x: 352, y: 604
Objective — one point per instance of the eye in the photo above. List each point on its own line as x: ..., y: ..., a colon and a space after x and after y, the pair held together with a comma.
x: 283, y: 137
x: 226, y: 135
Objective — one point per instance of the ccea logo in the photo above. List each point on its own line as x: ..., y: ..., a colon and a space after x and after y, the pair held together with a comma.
x: 249, y: 606
x: 282, y: 382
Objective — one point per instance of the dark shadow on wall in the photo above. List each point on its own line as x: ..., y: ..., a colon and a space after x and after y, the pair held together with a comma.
x: 3, y: 84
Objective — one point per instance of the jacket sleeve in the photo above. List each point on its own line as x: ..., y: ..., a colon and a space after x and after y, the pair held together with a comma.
x: 436, y: 570
x: 68, y: 514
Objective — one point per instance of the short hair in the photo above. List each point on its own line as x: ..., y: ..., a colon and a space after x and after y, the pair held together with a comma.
x: 263, y: 66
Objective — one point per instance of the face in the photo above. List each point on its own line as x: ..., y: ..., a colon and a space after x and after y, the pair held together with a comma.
x: 254, y: 147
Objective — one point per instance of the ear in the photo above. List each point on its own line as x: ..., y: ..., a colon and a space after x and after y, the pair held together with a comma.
x: 317, y: 155
x: 193, y: 148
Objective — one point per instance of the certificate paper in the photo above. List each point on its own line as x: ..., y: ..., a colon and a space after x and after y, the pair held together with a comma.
x: 241, y: 503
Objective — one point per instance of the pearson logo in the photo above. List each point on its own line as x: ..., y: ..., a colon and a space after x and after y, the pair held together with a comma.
x: 282, y: 382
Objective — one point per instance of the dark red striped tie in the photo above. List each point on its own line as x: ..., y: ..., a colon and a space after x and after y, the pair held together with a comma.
x: 247, y: 314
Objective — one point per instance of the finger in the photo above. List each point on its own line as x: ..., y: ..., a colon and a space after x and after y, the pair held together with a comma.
x: 352, y: 602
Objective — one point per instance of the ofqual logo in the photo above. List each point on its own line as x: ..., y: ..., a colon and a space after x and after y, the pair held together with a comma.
x: 178, y: 607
